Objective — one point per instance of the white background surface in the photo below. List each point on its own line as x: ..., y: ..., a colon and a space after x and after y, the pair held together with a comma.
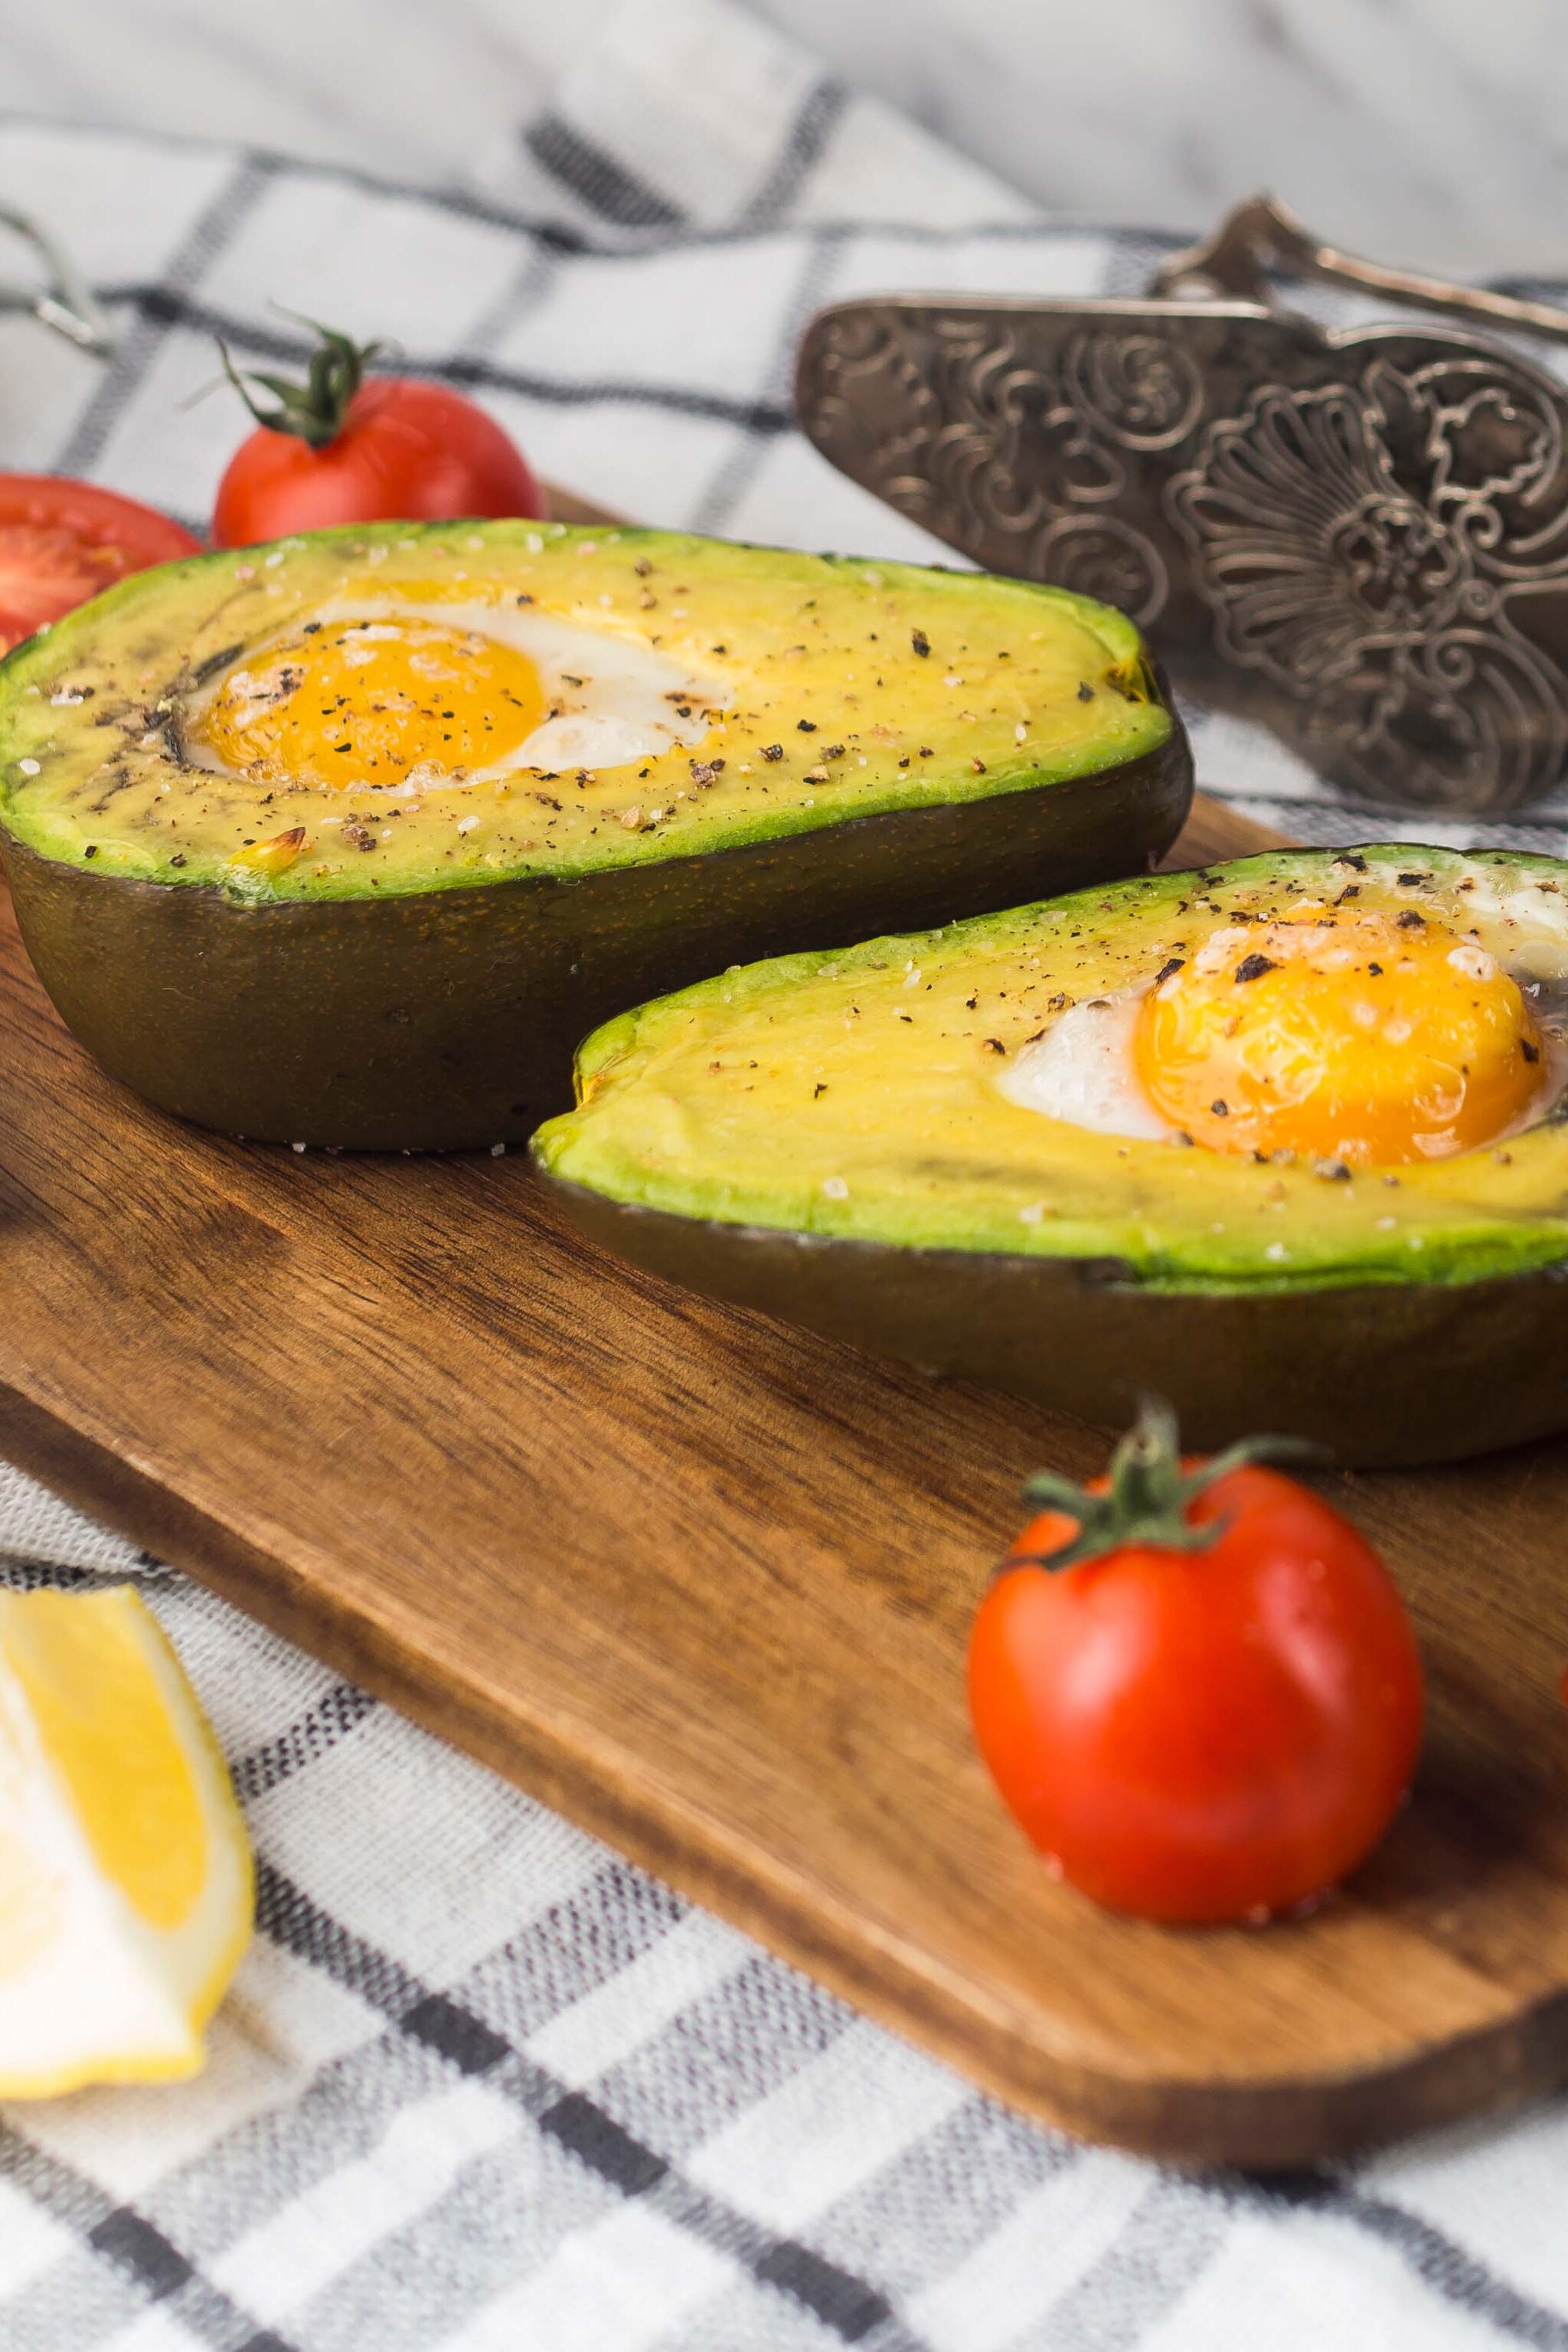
x: 1428, y: 129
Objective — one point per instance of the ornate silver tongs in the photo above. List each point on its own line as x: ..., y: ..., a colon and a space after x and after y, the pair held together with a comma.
x: 1357, y: 534
x: 58, y: 293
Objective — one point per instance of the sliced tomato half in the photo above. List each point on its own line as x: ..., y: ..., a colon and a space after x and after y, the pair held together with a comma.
x: 61, y: 541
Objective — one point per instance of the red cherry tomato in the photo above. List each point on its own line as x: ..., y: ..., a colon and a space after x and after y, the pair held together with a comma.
x: 61, y: 541
x: 338, y: 449
x: 1204, y: 1734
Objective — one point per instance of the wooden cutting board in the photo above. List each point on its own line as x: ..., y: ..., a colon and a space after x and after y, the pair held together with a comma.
x: 703, y: 1582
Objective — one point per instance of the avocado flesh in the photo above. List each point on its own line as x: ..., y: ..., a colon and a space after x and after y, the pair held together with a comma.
x: 100, y: 704
x: 824, y: 1137
x: 420, y: 985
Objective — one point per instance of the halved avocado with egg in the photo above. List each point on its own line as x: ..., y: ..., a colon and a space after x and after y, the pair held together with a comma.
x: 1286, y: 1140
x: 347, y: 840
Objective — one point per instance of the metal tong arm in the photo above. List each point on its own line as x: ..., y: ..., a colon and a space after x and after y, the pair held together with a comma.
x: 66, y: 303
x: 1262, y: 235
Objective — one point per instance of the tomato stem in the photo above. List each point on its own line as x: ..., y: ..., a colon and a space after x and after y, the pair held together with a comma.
x: 1147, y: 1492
x: 315, y: 409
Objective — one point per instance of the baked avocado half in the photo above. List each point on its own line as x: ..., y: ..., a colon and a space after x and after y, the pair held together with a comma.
x: 349, y: 839
x: 1285, y: 1140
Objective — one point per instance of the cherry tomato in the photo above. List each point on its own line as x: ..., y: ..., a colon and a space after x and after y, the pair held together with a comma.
x: 338, y: 449
x: 1208, y: 1706
x: 61, y: 541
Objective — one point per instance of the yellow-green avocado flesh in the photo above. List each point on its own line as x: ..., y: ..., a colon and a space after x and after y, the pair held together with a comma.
x: 825, y: 1138
x: 382, y: 949
x: 851, y: 689
x: 855, y: 1096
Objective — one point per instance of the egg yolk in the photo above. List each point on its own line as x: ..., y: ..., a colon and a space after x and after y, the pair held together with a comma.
x: 350, y: 703
x: 1373, y: 1039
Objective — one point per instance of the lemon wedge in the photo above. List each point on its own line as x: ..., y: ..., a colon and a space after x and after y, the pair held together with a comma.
x: 126, y: 1889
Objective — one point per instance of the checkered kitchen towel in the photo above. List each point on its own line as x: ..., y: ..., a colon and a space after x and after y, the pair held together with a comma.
x: 479, y: 2083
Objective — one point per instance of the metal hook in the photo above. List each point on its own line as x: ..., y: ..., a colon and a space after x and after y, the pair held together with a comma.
x: 67, y: 302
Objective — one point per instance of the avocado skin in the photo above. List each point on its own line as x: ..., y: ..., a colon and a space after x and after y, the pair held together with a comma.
x: 1382, y: 1375
x: 446, y: 1019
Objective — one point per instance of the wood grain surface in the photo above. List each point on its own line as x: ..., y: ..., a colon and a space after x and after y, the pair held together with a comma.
x: 703, y: 1582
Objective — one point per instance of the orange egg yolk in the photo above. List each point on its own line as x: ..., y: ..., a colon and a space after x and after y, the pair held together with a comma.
x: 1373, y: 1039
x: 350, y: 703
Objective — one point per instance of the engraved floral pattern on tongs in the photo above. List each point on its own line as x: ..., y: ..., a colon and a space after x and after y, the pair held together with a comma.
x: 1360, y: 545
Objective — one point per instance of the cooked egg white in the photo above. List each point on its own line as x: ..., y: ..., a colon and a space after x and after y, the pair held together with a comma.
x: 401, y: 696
x: 1082, y: 1071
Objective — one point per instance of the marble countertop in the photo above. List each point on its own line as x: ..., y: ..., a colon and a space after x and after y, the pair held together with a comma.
x: 1428, y: 131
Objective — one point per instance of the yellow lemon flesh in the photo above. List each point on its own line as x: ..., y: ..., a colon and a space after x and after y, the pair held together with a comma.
x: 125, y: 1876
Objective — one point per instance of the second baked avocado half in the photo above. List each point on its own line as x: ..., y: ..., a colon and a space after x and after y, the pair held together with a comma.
x: 349, y: 840
x: 1285, y: 1140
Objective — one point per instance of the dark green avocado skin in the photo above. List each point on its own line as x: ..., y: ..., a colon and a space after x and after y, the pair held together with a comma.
x: 1386, y: 1375
x: 449, y: 1018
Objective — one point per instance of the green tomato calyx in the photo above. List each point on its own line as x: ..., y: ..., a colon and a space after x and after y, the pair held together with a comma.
x: 315, y: 409
x: 1149, y: 1494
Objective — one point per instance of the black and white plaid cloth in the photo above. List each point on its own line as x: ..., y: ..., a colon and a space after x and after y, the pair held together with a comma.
x: 480, y: 2084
